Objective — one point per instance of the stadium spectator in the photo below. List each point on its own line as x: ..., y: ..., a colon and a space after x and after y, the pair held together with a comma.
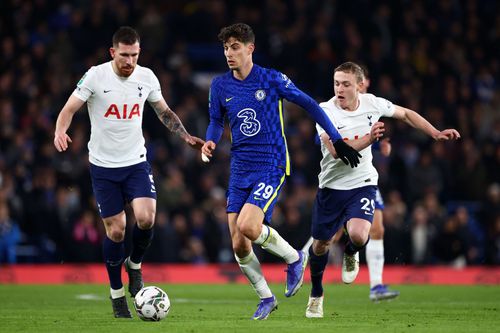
x: 10, y: 235
x: 88, y: 238
x: 47, y: 45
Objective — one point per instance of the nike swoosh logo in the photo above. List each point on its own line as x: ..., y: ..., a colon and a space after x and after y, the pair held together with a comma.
x: 106, y: 91
x: 228, y: 99
x: 340, y: 127
x: 257, y: 198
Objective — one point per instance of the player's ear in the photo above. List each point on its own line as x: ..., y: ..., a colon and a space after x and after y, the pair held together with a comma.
x: 112, y: 52
x: 360, y: 86
x: 251, y: 47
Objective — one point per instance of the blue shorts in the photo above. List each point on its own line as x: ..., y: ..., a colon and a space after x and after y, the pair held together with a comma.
x: 379, y: 201
x: 333, y: 208
x: 260, y: 188
x: 114, y: 187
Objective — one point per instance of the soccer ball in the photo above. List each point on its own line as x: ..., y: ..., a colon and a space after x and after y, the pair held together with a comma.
x: 151, y: 304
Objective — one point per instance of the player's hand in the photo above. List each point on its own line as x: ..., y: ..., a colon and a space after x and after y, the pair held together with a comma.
x: 346, y: 153
x: 194, y: 142
x: 377, y: 131
x: 385, y: 147
x: 447, y: 134
x: 208, y: 148
x: 61, y: 141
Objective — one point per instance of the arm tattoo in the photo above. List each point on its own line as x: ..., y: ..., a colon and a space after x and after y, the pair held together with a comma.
x: 170, y: 120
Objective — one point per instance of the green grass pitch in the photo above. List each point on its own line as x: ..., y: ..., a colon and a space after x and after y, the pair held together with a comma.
x: 228, y: 308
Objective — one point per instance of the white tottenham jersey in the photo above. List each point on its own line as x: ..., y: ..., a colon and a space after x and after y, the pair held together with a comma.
x: 116, y: 106
x: 352, y: 125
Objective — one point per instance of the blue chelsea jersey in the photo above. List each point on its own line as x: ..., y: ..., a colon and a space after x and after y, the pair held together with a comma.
x: 254, y: 108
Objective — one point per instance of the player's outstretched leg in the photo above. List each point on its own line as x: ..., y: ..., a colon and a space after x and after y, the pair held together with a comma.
x: 381, y: 292
x: 295, y: 274
x: 271, y: 241
x: 120, y: 307
x: 265, y: 307
x: 135, y: 282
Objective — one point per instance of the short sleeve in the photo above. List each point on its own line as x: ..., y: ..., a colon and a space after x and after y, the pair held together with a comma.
x: 155, y: 93
x: 385, y: 106
x: 86, y: 86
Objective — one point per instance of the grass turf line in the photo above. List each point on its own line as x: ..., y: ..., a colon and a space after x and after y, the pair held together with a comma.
x: 228, y: 308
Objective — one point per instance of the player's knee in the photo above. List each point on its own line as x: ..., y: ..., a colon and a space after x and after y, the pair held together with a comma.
x: 359, y: 238
x: 320, y: 248
x: 116, y: 234
x: 146, y: 219
x: 248, y: 229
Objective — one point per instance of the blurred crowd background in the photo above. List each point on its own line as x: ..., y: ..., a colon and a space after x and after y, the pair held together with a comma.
x: 437, y: 57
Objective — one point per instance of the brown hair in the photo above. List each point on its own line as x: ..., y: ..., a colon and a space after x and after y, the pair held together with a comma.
x: 351, y: 67
x: 240, y: 31
x: 125, y: 35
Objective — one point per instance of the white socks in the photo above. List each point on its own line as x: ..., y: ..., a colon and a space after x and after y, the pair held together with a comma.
x: 272, y: 242
x: 250, y: 266
x: 133, y: 265
x: 117, y: 293
x: 375, y: 260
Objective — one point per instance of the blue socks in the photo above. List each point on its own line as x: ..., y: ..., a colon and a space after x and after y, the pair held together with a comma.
x: 114, y: 254
x: 141, y: 239
x: 317, y: 266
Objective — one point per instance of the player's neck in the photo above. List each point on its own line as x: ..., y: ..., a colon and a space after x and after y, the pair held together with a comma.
x: 353, y: 107
x: 243, y: 72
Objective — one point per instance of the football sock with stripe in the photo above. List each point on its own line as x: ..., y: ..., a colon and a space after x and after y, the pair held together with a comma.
x: 271, y: 241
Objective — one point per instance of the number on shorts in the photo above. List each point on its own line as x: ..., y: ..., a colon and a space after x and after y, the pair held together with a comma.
x: 368, y: 206
x: 153, y: 188
x: 268, y: 191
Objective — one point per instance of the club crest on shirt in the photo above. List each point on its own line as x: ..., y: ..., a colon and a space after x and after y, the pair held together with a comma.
x: 260, y: 94
x: 369, y: 119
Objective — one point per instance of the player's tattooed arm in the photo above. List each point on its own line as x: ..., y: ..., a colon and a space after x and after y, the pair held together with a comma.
x: 174, y: 124
x: 169, y: 118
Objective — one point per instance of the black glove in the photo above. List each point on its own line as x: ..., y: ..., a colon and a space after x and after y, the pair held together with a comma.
x: 346, y: 153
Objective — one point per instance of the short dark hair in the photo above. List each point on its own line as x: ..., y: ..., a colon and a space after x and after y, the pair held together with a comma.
x: 126, y: 35
x: 240, y: 31
x: 351, y: 67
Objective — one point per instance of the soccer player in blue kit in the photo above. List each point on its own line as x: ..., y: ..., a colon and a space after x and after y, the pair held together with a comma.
x: 252, y: 99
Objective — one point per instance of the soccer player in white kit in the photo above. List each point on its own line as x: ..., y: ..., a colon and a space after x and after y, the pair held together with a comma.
x: 115, y: 93
x: 346, y: 197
